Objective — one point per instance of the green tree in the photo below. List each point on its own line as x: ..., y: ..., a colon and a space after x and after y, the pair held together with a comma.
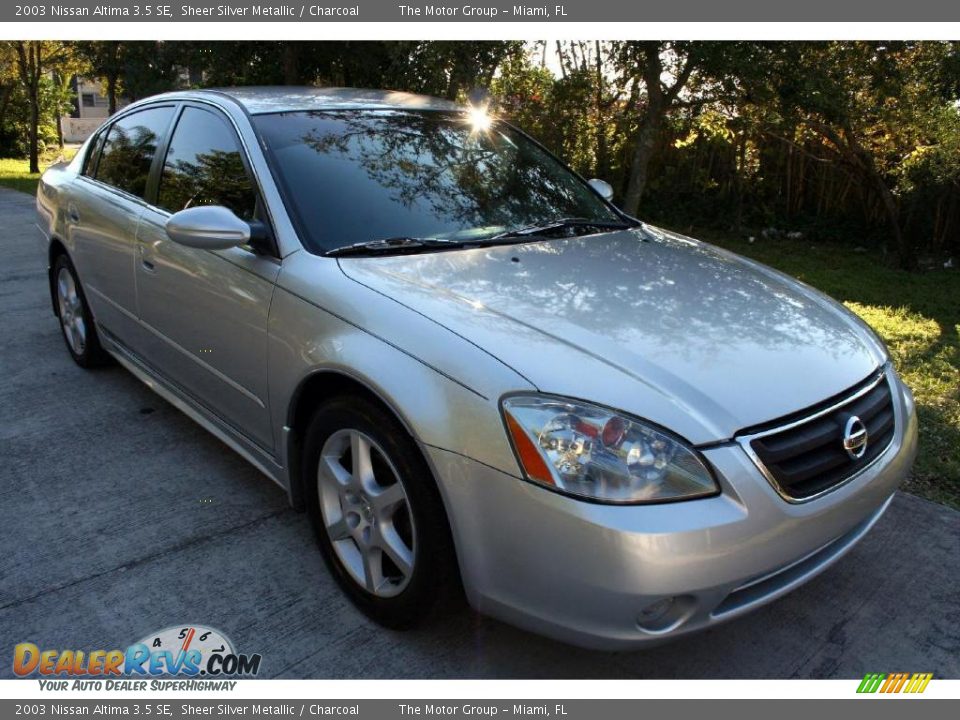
x: 9, y: 81
x: 34, y: 60
x: 870, y: 103
x: 662, y: 78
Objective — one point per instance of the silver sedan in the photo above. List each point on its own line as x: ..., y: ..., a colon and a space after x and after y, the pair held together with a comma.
x: 476, y: 375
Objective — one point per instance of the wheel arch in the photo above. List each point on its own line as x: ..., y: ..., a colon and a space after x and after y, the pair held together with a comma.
x: 313, y: 389
x: 55, y: 249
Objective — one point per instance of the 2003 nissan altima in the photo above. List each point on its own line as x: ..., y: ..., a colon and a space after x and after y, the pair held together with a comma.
x: 468, y: 366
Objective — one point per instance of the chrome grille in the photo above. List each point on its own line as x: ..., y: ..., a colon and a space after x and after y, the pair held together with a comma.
x: 804, y: 455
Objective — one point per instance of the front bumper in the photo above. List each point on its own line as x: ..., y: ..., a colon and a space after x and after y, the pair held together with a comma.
x: 620, y: 577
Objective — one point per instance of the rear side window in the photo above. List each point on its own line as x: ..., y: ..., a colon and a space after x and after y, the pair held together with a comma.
x: 130, y: 147
x: 204, y: 166
x: 90, y: 161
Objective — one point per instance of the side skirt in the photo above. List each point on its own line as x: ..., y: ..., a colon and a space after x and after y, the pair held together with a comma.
x: 257, y: 456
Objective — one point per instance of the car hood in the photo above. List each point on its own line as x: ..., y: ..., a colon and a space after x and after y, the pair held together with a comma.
x: 679, y: 332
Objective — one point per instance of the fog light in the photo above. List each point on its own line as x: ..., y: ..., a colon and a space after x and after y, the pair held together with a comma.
x: 655, y: 611
x: 666, y: 614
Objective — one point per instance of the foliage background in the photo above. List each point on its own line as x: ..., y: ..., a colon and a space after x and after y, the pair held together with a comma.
x: 851, y: 142
x: 838, y: 162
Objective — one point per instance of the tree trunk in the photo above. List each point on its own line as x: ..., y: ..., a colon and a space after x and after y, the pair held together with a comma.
x: 659, y: 101
x: 602, y: 154
x: 561, y: 58
x: 291, y: 63
x: 58, y: 84
x: 112, y: 93
x: 906, y: 258
x: 34, y: 130
x: 640, y: 163
x: 5, y: 102
x: 860, y: 159
x: 35, y: 70
x: 28, y: 66
x: 739, y: 165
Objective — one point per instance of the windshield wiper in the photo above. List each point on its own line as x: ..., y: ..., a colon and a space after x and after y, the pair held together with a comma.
x: 562, y: 223
x: 391, y: 245
x: 402, y: 244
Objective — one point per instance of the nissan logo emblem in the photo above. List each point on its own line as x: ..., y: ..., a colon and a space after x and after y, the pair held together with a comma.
x: 855, y: 437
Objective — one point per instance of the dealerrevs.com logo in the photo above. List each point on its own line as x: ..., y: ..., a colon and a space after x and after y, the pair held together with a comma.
x: 184, y: 651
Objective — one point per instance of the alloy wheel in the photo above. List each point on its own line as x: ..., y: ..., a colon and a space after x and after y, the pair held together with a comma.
x: 366, y: 513
x: 70, y: 306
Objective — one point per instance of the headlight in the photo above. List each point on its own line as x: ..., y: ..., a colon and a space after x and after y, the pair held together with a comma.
x: 596, y: 453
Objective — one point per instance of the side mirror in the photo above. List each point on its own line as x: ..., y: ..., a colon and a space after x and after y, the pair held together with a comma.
x: 603, y: 188
x: 208, y: 227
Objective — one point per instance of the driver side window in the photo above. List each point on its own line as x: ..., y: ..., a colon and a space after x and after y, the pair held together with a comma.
x: 204, y: 166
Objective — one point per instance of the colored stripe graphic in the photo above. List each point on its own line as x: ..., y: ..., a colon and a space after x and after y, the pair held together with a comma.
x: 870, y: 683
x: 894, y: 682
x: 919, y: 682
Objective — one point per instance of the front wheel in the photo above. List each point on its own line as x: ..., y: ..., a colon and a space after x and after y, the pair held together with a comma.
x: 376, y: 513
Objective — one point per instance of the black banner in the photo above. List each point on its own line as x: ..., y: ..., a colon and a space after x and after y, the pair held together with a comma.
x: 481, y: 11
x: 175, y: 709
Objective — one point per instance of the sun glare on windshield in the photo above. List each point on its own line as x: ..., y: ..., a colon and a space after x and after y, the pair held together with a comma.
x: 479, y: 119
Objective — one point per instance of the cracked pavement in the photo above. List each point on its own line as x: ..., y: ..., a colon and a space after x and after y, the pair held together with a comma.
x: 119, y: 516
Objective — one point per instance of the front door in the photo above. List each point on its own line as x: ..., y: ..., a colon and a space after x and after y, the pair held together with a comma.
x: 205, y: 312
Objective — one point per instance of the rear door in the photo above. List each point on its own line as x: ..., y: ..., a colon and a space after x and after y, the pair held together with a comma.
x: 205, y: 312
x: 103, y: 210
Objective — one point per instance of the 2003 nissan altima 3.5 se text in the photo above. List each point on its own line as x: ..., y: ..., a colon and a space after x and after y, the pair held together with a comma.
x: 469, y: 367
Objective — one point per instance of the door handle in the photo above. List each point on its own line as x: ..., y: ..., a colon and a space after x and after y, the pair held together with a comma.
x: 73, y: 214
x: 145, y: 260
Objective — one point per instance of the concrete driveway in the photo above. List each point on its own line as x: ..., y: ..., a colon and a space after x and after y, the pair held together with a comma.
x: 119, y: 516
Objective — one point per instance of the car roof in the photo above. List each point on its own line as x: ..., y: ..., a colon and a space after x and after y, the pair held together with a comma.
x: 265, y: 99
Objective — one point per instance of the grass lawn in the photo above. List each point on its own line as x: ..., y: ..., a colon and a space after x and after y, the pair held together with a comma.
x: 918, y: 316
x: 15, y: 173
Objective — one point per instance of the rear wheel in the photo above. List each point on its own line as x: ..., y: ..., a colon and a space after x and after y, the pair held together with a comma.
x: 76, y: 322
x: 376, y: 513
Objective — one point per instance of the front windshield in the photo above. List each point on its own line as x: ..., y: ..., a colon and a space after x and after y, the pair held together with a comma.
x: 355, y: 176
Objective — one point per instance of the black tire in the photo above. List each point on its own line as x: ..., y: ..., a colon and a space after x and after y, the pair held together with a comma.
x: 89, y: 353
x: 434, y: 583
